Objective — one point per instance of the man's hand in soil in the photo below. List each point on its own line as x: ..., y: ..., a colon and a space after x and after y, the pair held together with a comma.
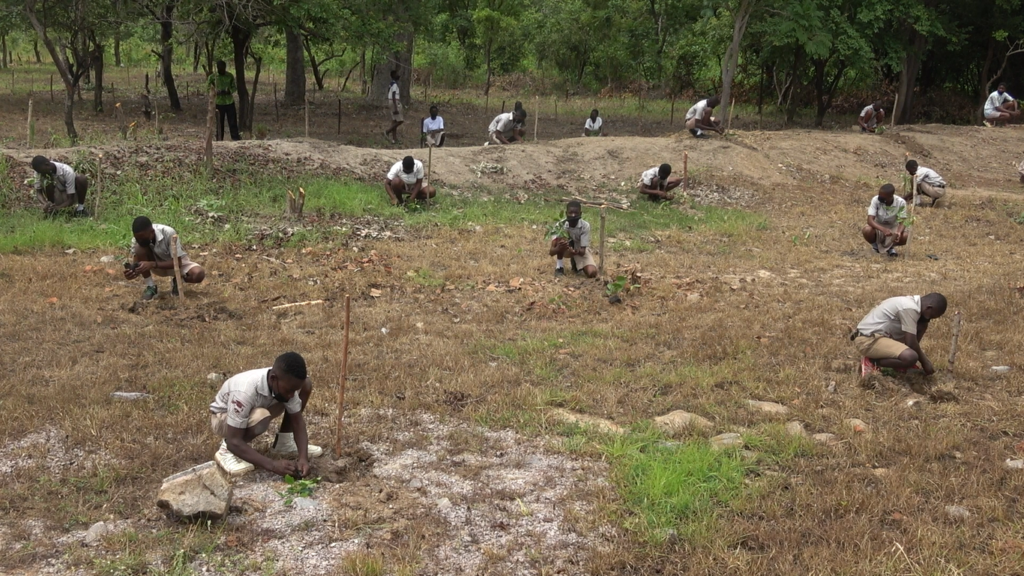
x: 285, y: 467
x: 927, y: 366
x: 303, y: 467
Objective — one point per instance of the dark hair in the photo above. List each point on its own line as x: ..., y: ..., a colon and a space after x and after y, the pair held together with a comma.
x: 433, y: 108
x: 887, y: 189
x: 408, y: 163
x: 141, y: 224
x: 1001, y: 85
x: 394, y: 73
x: 574, y: 204
x: 936, y: 301
x: 292, y: 364
x: 519, y: 112
x: 912, y: 165
x: 714, y: 100
x: 39, y: 162
x: 518, y: 105
x: 664, y: 170
x: 221, y: 64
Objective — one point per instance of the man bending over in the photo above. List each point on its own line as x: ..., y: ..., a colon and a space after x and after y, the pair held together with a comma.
x: 890, y: 335
x: 929, y: 184
x: 244, y: 407
x: 151, y: 255
x: 699, y: 118
x: 871, y: 116
x: 406, y: 177
x: 507, y: 128
x: 59, y: 187
x: 655, y: 183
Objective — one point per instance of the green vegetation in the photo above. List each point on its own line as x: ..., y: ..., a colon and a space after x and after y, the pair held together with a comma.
x: 298, y: 488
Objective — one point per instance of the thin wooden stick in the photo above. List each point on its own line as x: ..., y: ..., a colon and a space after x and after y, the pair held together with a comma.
x: 156, y: 116
x: 536, y: 116
x: 177, y: 266
x: 339, y: 116
x: 600, y: 261
x: 672, y: 113
x: 307, y: 116
x: 686, y: 174
x: 913, y: 199
x: 957, y: 322
x: 892, y: 122
x: 211, y: 107
x: 31, y: 128
x: 294, y: 304
x: 99, y: 187
x: 728, y: 122
x: 430, y: 158
x: 344, y: 378
x: 301, y: 200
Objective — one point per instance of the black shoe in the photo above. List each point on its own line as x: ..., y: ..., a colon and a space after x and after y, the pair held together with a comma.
x: 694, y: 132
x: 703, y: 136
x: 83, y: 213
x: 559, y: 271
x: 174, y: 287
x: 149, y: 293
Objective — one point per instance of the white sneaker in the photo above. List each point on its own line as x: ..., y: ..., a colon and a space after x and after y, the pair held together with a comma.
x: 230, y: 463
x: 284, y: 445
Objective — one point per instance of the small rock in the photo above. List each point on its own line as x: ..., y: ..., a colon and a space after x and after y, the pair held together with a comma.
x: 824, y: 438
x: 108, y: 259
x: 1001, y: 369
x: 727, y: 440
x: 915, y: 403
x: 671, y: 537
x: 769, y: 407
x: 215, y: 377
x: 1014, y: 464
x: 415, y: 484
x: 680, y: 420
x: 303, y: 503
x: 200, y: 492
x: 599, y: 424
x: 130, y: 395
x: 856, y: 425
x: 444, y: 504
x: 748, y: 454
x: 795, y: 428
x: 957, y: 513
x: 96, y: 533
x: 880, y: 472
x: 831, y: 387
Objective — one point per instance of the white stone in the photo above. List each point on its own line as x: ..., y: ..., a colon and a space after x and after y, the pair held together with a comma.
x: 1013, y: 464
x: 957, y: 513
x: 108, y: 259
x: 302, y: 503
x: 95, y: 534
x: 202, y: 491
x: 130, y: 395
x: 586, y: 421
x: 795, y: 428
x: 1001, y: 369
x: 824, y: 438
x: 727, y: 440
x: 680, y: 420
x: 215, y: 377
x: 768, y: 407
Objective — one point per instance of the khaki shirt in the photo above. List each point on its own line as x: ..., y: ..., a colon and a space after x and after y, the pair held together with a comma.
x: 162, y: 246
x: 242, y: 393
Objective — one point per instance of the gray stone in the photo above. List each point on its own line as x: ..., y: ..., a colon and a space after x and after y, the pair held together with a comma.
x: 767, y: 407
x: 1013, y: 464
x: 795, y: 428
x: 856, y: 425
x: 215, y: 377
x: 130, y: 395
x: 957, y: 513
x: 444, y: 504
x: 824, y: 438
x: 1001, y: 369
x: 727, y: 440
x: 200, y: 492
x: 415, y: 484
x: 680, y: 420
x: 108, y: 259
x: 95, y: 534
x: 587, y: 421
x: 303, y: 503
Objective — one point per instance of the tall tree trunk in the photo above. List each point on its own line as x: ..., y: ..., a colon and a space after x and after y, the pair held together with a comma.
x: 732, y: 55
x: 908, y: 77
x: 195, y: 57
x: 69, y: 113
x: 255, y: 85
x: 68, y: 75
x: 167, y: 55
x: 97, y: 64
x: 35, y: 50
x: 117, y: 50
x: 402, y: 61
x: 240, y: 38
x: 295, y: 69
x: 3, y: 50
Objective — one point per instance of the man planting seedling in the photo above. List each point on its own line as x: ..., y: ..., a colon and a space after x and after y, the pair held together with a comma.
x: 571, y: 237
x: 59, y: 187
x: 406, y: 179
x: 151, y: 255
x: 244, y: 407
x: 890, y: 335
x: 655, y: 183
x: 885, y: 229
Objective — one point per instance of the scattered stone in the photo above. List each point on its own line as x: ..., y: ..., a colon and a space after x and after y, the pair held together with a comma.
x: 831, y: 387
x: 915, y: 402
x: 415, y: 484
x: 108, y: 259
x: 768, y: 407
x: 303, y: 503
x: 444, y: 504
x: 200, y: 492
x: 215, y: 377
x: 825, y: 438
x: 1014, y: 464
x: 599, y: 424
x: 95, y: 534
x: 727, y: 440
x: 1001, y: 369
x: 795, y: 428
x: 957, y: 513
x: 856, y: 425
x: 679, y: 420
x: 130, y: 395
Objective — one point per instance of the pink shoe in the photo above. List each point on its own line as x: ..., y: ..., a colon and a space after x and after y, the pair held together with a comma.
x: 867, y: 367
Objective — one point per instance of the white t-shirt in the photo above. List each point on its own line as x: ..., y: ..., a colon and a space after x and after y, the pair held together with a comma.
x: 893, y: 318
x: 593, y: 125
x: 649, y: 177
x: 63, y: 180
x: 869, y: 113
x: 887, y: 215
x: 241, y: 393
x: 410, y: 179
x: 697, y: 110
x: 162, y: 245
x: 929, y: 177
x: 431, y: 124
x: 995, y: 99
x: 393, y: 93
x: 502, y: 123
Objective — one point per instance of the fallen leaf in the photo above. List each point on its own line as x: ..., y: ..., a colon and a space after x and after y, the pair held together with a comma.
x: 492, y: 288
x: 89, y: 268
x: 375, y: 293
x: 51, y: 300
x: 515, y: 282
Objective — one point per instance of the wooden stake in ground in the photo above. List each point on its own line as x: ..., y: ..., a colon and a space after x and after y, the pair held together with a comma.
x: 31, y: 127
x: 339, y: 116
x: 892, y: 122
x: 686, y: 175
x: 177, y: 266
x: 99, y: 187
x: 957, y: 321
x: 277, y: 113
x: 910, y: 213
x: 536, y: 116
x: 344, y: 378
x: 728, y: 121
x: 600, y: 256
x: 156, y: 119
x: 307, y: 116
x: 672, y: 112
x: 211, y: 107
x: 430, y: 157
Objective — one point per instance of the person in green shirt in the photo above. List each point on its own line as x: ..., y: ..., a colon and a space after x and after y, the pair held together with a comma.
x: 225, y: 84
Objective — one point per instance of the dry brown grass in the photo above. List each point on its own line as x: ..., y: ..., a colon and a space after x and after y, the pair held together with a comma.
x: 769, y: 324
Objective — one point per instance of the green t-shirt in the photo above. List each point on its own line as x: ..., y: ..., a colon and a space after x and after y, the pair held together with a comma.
x: 225, y: 84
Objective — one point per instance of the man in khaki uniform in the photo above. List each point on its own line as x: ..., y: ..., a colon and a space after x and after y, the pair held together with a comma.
x: 151, y: 255
x: 577, y: 246
x: 890, y: 335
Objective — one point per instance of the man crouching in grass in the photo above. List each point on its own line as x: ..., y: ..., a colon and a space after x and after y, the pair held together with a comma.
x: 151, y: 252
x: 577, y: 246
x: 244, y: 407
x: 890, y: 335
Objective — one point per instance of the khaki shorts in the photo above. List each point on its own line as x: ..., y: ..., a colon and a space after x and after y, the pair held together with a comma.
x: 186, y: 265
x: 219, y: 422
x: 879, y: 347
x: 433, y: 139
x: 582, y: 262
x: 930, y: 191
x: 692, y: 122
x: 396, y: 114
x: 507, y: 134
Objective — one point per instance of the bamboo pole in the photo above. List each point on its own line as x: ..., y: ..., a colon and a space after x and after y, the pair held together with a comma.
x: 430, y: 157
x: 913, y: 200
x: 344, y: 378
x: 177, y: 266
x: 600, y: 260
x: 957, y: 322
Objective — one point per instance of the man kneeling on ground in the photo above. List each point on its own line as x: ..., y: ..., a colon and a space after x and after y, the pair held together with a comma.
x: 929, y: 183
x: 59, y: 187
x: 406, y: 177
x: 699, y: 118
x: 577, y: 246
x: 884, y: 230
x: 244, y: 407
x: 507, y: 128
x: 151, y: 255
x: 655, y: 183
x: 890, y: 335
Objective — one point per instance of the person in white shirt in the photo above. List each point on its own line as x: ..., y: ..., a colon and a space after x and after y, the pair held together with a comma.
x: 929, y: 183
x: 699, y: 118
x: 870, y: 117
x: 1000, y: 107
x: 884, y: 231
x: 151, y: 255
x: 433, y: 129
x: 573, y: 240
x: 244, y: 407
x: 395, y: 108
x: 406, y: 178
x: 594, y: 126
x: 59, y: 187
x: 890, y: 335
x: 1020, y: 171
x: 655, y: 183
x: 507, y: 128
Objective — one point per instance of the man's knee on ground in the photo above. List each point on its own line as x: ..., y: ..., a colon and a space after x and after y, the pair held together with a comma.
x: 195, y: 275
x: 590, y: 271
